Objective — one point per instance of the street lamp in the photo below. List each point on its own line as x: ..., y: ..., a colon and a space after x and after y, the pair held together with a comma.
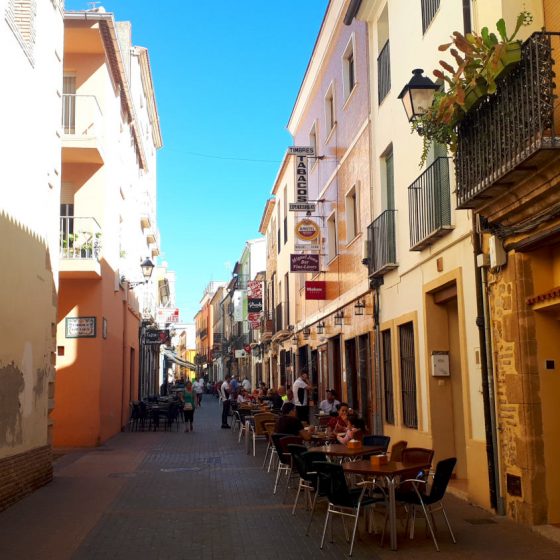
x: 320, y: 327
x: 339, y: 318
x: 306, y: 333
x: 359, y: 307
x: 147, y: 268
x: 418, y: 95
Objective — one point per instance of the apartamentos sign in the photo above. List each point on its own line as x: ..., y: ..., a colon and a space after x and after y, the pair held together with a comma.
x: 304, y: 263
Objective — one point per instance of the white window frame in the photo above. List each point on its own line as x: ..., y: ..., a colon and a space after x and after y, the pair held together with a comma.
x: 330, y: 111
x: 349, y: 52
x: 332, y: 237
x: 351, y: 206
x: 313, y: 143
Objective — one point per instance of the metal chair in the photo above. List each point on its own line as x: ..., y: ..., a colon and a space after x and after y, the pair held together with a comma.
x: 281, y: 442
x: 303, y: 462
x: 257, y: 429
x: 344, y: 501
x: 432, y: 502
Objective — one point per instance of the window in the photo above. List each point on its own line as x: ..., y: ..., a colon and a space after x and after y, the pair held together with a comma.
x: 388, y: 179
x: 329, y: 110
x: 332, y: 250
x: 351, y: 205
x: 279, y: 221
x: 408, y: 375
x: 388, y: 377
x: 313, y: 142
x: 20, y: 16
x: 348, y: 68
x: 383, y: 58
x: 285, y: 214
x: 429, y: 9
x: 287, y: 299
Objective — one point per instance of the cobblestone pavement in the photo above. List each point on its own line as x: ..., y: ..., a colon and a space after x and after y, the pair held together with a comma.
x: 176, y: 495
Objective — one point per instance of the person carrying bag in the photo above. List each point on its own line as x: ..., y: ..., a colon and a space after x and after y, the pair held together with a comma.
x: 189, y: 399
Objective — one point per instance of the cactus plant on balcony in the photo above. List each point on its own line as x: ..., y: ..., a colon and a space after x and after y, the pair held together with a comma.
x: 481, y: 59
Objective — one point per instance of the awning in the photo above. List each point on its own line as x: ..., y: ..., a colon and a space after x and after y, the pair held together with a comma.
x: 172, y: 357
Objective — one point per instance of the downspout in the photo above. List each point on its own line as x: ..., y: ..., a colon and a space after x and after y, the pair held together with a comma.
x: 486, y: 367
x: 124, y: 302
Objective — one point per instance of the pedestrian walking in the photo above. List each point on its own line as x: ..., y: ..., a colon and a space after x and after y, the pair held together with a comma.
x: 225, y: 395
x: 198, y: 387
x: 188, y: 399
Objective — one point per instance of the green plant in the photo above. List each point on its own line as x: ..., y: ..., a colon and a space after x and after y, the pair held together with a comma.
x: 480, y: 60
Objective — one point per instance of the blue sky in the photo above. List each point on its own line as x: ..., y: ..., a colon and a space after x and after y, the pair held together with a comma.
x: 226, y: 76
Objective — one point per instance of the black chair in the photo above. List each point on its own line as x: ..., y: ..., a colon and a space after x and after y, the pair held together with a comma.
x: 381, y: 441
x: 303, y: 461
x: 430, y: 502
x: 344, y: 501
x: 281, y: 442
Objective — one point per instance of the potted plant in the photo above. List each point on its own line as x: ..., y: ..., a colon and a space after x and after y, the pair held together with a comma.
x: 481, y: 60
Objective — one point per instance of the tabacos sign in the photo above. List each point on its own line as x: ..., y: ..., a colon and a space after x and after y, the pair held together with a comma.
x: 307, y: 230
x: 301, y: 154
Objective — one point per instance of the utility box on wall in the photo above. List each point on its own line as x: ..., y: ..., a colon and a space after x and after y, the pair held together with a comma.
x: 440, y: 364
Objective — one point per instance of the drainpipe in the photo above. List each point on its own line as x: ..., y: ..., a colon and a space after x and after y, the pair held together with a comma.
x: 486, y: 366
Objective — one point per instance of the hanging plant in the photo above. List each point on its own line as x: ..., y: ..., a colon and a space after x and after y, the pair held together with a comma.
x: 481, y: 60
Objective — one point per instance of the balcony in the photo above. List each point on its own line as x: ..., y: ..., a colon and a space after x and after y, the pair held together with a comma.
x: 382, y: 244
x: 514, y: 133
x: 429, y: 205
x: 79, y: 247
x: 82, y: 128
x: 147, y: 211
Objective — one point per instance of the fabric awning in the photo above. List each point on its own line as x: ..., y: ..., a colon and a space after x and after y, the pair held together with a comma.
x: 172, y: 357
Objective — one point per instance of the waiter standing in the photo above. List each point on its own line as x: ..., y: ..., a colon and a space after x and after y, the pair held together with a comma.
x: 301, y: 388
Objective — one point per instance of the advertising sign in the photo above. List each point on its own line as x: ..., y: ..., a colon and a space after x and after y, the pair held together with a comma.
x: 302, y: 186
x: 240, y: 354
x: 307, y: 230
x: 301, y: 151
x: 80, y: 327
x: 239, y: 305
x: 302, y: 207
x: 156, y: 336
x: 316, y: 289
x: 167, y: 315
x: 307, y: 247
x: 254, y: 320
x: 304, y: 263
x: 254, y: 289
x: 254, y: 305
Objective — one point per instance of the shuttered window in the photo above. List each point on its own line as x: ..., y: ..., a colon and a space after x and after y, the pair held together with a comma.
x: 388, y: 378
x: 408, y: 375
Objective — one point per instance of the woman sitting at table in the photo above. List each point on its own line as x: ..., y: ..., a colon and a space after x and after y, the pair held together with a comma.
x: 339, y: 424
x: 355, y: 430
x: 243, y: 397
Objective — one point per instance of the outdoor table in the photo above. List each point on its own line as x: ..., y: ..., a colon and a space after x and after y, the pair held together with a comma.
x: 391, y: 473
x: 339, y: 450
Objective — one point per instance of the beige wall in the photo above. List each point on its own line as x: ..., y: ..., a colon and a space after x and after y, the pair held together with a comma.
x: 29, y: 198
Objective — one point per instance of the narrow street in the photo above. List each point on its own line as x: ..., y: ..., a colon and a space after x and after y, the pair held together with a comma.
x: 174, y: 495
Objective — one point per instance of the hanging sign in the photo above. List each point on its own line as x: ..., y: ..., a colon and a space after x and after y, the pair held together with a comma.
x: 302, y: 186
x: 302, y: 207
x: 316, y: 289
x: 308, y: 151
x: 304, y: 263
x: 307, y: 230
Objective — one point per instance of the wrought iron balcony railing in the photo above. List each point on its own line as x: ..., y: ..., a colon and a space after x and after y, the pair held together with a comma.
x: 383, y: 73
x: 514, y: 132
x: 382, y: 251
x: 80, y: 238
x: 429, y: 205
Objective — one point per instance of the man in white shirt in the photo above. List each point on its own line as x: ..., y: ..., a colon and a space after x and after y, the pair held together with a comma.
x: 246, y: 384
x: 328, y: 406
x: 300, y: 388
x: 198, y: 387
x: 226, y: 403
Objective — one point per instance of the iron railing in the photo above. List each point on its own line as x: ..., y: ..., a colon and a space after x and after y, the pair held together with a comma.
x: 383, y: 73
x: 509, y: 127
x: 81, y: 116
x: 382, y: 251
x: 241, y: 281
x: 429, y: 205
x: 80, y: 238
x: 429, y: 9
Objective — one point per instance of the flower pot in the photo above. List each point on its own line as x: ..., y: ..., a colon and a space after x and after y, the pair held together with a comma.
x: 508, y: 60
x: 475, y: 94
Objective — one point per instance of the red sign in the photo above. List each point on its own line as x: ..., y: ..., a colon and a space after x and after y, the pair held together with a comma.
x: 315, y: 289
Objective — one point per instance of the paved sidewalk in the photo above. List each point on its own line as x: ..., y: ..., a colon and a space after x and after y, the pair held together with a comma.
x: 199, y: 495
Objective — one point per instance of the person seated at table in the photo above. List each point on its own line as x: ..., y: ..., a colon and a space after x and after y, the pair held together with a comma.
x: 290, y: 424
x: 355, y: 430
x: 328, y: 406
x: 243, y: 397
x: 339, y: 424
x: 275, y: 398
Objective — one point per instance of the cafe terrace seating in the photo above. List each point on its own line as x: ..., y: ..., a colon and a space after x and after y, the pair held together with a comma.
x: 281, y: 442
x: 257, y: 429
